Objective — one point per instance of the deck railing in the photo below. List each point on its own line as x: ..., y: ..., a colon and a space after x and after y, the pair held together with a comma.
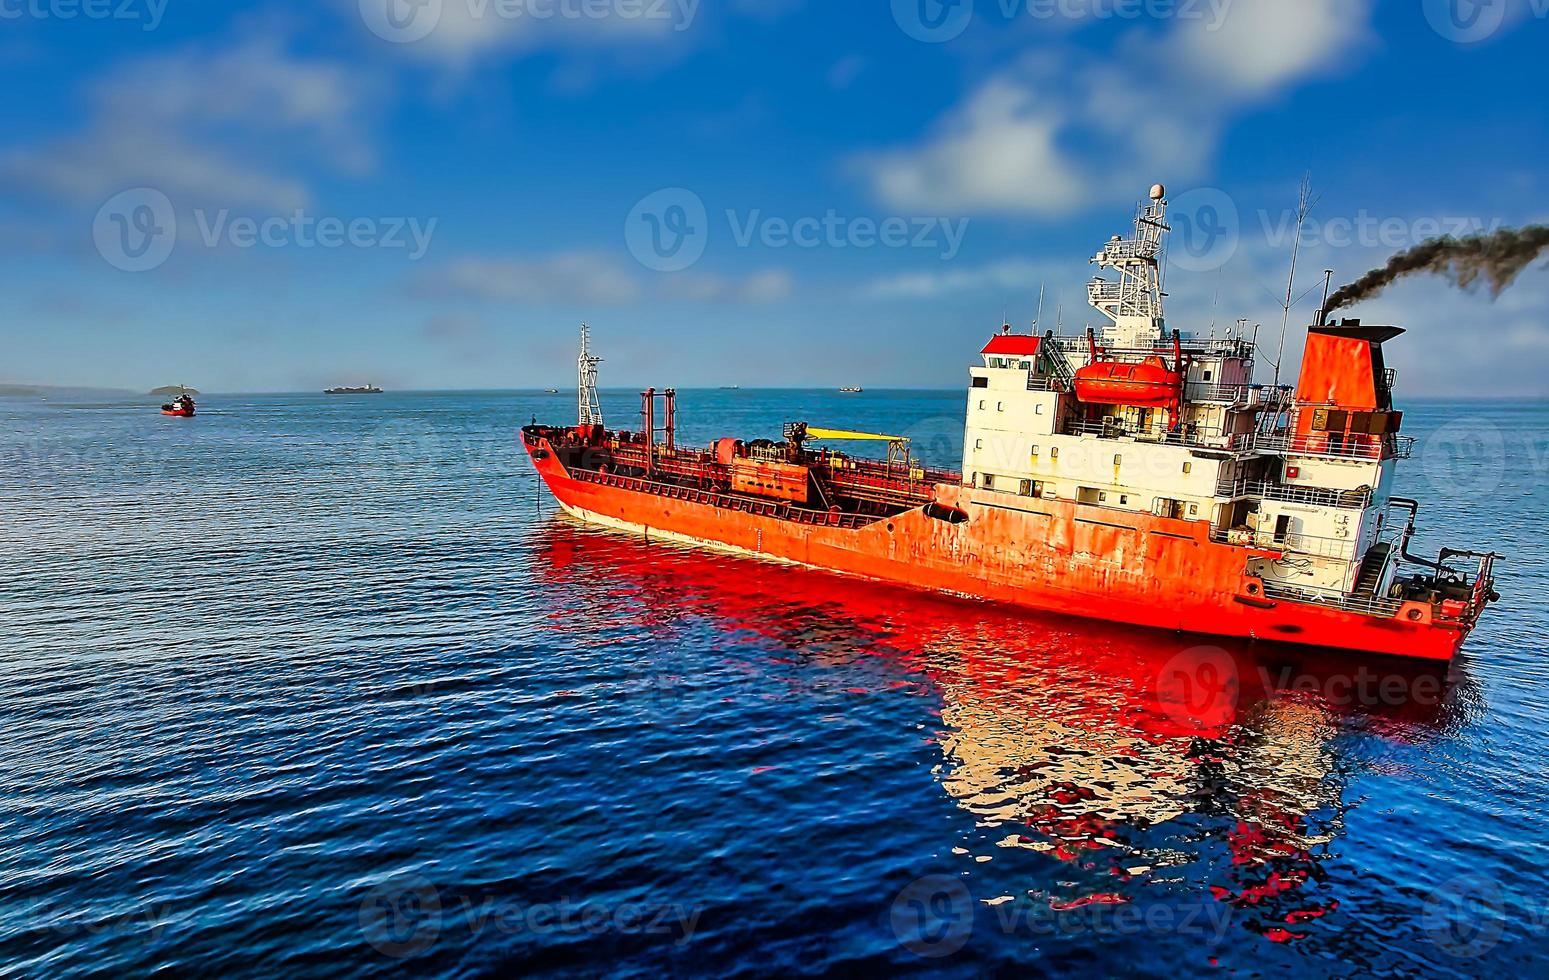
x: 1332, y: 446
x: 724, y: 501
x: 1316, y: 496
x: 1340, y: 549
x: 1367, y: 605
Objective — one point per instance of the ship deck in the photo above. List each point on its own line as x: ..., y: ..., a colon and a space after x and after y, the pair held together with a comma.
x: 842, y: 490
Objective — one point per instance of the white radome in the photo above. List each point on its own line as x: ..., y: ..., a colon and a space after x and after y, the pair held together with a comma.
x: 1158, y: 192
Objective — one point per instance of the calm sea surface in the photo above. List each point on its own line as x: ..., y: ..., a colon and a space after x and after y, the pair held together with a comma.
x: 309, y: 684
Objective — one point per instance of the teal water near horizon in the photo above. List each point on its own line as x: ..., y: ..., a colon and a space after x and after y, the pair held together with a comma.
x: 311, y: 684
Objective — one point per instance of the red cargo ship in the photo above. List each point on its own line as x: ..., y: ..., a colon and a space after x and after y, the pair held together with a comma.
x: 1139, y: 476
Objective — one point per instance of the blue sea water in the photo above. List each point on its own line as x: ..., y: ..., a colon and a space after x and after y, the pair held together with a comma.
x: 312, y: 685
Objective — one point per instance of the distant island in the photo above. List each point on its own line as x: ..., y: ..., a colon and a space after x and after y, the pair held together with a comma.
x: 12, y: 390
x: 174, y: 390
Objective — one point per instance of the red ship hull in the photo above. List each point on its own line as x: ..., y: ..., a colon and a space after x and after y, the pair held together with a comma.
x: 1048, y: 555
x: 177, y: 413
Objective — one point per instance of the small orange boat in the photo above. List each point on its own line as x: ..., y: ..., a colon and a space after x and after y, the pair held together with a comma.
x: 181, y: 407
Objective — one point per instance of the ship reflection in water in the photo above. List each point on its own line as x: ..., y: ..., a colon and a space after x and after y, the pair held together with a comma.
x: 1111, y: 784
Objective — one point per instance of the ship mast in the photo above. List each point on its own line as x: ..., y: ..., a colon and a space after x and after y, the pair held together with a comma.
x: 1134, y: 303
x: 589, y: 409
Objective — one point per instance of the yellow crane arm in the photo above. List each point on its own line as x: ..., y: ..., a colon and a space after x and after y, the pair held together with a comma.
x: 846, y: 435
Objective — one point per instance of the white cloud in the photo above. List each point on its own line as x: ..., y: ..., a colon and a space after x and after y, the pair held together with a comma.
x: 571, y: 278
x: 769, y: 286
x: 586, y: 278
x: 1020, y: 275
x: 207, y: 127
x: 457, y: 34
x: 1063, y: 130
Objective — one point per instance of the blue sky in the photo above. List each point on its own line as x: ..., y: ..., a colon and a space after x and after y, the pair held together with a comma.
x: 265, y: 195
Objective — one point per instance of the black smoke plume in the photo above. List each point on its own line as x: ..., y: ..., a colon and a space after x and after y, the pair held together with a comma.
x: 1497, y: 257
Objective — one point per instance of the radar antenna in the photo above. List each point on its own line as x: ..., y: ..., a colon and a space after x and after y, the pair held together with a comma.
x: 1134, y: 302
x: 589, y: 408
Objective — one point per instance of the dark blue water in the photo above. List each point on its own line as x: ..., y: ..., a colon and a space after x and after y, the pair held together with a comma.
x: 310, y: 684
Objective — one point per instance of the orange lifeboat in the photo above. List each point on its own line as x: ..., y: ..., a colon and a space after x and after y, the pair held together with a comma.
x: 1148, y: 384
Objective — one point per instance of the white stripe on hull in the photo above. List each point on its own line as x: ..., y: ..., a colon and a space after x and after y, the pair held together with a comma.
x: 658, y: 534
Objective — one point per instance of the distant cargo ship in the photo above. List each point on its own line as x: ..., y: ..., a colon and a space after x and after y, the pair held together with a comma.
x: 851, y: 391
x: 363, y: 390
x: 1133, y: 475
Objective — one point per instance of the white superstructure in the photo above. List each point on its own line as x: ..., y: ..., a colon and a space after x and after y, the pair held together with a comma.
x: 1140, y: 419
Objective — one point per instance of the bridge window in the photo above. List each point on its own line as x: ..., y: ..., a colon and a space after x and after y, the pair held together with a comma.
x: 981, y: 382
x: 989, y: 481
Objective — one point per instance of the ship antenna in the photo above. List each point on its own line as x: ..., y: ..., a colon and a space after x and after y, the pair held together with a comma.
x: 1304, y: 205
x: 589, y: 410
x: 1039, y: 318
x: 1215, y: 304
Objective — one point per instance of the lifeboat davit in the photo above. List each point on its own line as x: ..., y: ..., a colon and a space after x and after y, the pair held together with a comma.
x: 1148, y: 384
